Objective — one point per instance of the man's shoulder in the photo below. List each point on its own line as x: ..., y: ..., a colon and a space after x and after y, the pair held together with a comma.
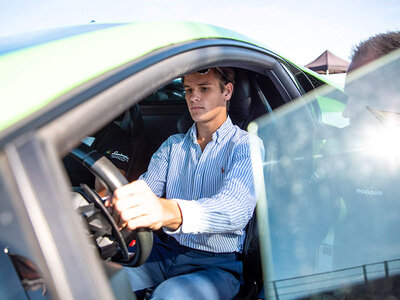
x: 244, y: 140
x: 175, y: 139
x: 239, y: 135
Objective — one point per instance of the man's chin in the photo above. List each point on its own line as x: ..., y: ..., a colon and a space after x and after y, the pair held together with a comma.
x: 197, y: 117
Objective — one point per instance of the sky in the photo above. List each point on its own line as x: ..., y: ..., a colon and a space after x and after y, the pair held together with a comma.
x: 298, y: 30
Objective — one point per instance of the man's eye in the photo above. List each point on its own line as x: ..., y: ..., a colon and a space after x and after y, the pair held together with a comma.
x: 203, y: 89
x: 188, y: 91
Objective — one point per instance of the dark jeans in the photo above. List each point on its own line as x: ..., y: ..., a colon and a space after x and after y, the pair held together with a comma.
x: 179, y: 272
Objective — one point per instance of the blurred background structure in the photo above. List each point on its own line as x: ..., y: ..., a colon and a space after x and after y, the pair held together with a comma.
x: 328, y: 63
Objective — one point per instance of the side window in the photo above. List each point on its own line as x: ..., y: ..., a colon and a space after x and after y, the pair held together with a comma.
x: 330, y: 105
x: 169, y: 94
x: 270, y: 91
x: 161, y: 112
x: 304, y: 82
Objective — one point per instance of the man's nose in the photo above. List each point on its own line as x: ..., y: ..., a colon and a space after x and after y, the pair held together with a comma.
x: 195, y: 96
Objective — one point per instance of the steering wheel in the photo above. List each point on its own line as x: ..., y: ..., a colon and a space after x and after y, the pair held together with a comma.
x: 106, y: 171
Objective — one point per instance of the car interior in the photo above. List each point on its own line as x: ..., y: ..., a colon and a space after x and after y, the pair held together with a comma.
x: 151, y: 121
x: 164, y: 113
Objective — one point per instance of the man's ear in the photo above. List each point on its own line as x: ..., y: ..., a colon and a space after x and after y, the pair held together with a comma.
x: 228, y: 91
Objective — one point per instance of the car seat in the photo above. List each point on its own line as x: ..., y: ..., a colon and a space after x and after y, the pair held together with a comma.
x: 132, y: 124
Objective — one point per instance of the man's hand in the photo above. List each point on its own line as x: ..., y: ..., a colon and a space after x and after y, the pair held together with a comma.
x: 138, y: 207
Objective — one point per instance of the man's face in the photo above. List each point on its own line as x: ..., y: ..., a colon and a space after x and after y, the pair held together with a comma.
x: 205, y: 100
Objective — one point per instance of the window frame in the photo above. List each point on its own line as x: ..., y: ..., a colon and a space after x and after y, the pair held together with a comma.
x: 37, y: 151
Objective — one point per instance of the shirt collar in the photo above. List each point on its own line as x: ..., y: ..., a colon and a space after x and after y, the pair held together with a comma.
x: 218, y: 135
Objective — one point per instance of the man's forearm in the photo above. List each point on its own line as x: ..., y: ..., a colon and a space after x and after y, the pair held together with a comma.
x: 172, y: 215
x: 221, y: 215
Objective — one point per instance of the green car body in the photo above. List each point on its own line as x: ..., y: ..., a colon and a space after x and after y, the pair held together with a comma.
x: 60, y: 85
x: 82, y: 57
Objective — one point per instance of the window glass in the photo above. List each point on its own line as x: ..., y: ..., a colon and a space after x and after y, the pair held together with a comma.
x: 330, y: 105
x: 171, y: 93
x: 330, y: 195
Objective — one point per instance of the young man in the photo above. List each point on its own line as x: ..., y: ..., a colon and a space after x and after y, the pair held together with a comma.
x: 206, y: 178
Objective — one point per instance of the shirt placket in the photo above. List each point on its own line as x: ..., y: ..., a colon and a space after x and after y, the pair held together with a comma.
x: 199, y: 171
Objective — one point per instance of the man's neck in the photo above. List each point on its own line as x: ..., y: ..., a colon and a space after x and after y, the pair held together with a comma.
x: 206, y: 130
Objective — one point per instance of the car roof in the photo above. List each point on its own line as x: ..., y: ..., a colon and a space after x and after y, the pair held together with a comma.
x: 37, y: 68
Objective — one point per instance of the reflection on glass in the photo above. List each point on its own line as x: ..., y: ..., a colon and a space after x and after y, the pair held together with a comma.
x: 332, y: 193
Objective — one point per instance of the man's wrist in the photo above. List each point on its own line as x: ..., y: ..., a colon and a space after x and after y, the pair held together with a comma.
x: 172, y: 215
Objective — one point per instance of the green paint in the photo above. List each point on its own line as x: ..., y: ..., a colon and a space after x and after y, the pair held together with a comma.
x: 331, y: 111
x: 330, y: 105
x: 32, y: 78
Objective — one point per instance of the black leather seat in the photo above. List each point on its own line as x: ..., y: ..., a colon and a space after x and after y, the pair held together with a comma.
x: 133, y: 125
x: 240, y: 104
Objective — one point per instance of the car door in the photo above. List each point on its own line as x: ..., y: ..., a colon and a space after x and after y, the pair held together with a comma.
x: 50, y: 233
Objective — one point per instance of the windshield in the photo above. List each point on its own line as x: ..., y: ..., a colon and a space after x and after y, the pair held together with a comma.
x: 328, y: 194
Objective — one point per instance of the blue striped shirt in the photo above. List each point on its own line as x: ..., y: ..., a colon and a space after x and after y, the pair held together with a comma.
x: 214, y: 188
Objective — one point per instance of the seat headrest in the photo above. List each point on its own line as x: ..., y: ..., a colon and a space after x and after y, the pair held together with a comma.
x: 240, y: 103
